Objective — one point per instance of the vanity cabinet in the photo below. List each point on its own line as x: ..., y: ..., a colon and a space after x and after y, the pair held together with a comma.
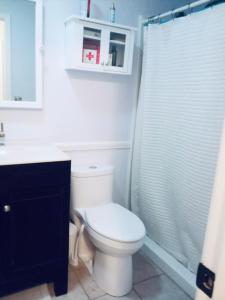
x: 94, y: 45
x: 34, y: 225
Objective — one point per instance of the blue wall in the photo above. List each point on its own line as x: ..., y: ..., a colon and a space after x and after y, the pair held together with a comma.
x: 160, y: 6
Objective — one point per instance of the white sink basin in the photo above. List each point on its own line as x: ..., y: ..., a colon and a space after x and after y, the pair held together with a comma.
x: 14, y: 154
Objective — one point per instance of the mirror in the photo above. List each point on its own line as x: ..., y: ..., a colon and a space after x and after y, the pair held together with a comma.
x: 20, y: 53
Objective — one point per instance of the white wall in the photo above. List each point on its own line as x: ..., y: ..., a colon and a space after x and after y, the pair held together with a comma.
x: 82, y: 107
x: 78, y: 106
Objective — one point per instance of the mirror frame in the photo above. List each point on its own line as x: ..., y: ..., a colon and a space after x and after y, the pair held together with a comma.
x: 39, y: 51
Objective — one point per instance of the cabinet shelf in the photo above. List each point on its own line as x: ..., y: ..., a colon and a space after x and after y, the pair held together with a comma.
x: 89, y: 37
x: 117, y: 42
x: 95, y: 45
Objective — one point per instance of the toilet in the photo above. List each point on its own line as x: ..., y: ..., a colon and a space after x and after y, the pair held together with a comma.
x: 115, y: 232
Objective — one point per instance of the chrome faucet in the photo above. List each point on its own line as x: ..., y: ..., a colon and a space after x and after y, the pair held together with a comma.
x: 2, y: 134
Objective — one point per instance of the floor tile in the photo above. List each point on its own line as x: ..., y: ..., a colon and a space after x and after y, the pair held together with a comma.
x: 148, y: 286
x: 160, y: 288
x: 131, y: 296
x: 142, y: 269
x: 87, y: 282
x: 75, y: 290
x: 36, y: 293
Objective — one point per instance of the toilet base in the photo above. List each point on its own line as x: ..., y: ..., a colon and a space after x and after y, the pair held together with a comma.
x: 113, y: 274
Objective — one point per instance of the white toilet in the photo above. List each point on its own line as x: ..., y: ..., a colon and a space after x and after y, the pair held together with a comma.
x: 115, y: 231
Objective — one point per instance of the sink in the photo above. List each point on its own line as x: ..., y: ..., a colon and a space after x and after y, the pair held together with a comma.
x: 26, y: 154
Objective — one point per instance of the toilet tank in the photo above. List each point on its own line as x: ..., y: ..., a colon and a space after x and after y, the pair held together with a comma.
x: 91, y: 185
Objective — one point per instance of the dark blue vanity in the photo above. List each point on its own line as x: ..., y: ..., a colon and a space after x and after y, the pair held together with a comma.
x: 34, y: 225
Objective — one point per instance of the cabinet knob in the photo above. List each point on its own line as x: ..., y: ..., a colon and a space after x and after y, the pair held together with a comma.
x: 6, y: 208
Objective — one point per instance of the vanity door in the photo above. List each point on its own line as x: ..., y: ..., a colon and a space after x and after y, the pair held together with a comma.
x: 39, y: 216
x: 35, y: 222
x: 34, y: 226
x: 4, y: 222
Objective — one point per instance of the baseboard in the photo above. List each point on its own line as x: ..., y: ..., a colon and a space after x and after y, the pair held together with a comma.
x: 170, y: 266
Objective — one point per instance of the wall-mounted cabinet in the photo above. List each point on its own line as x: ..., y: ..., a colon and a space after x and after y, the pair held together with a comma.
x: 94, y: 45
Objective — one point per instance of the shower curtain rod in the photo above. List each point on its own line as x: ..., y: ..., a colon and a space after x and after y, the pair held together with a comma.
x: 184, y: 8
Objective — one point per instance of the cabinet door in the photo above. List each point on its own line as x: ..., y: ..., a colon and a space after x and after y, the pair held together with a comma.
x: 4, y: 234
x: 35, y: 226
x: 92, y: 47
x: 118, y: 51
x: 5, y: 178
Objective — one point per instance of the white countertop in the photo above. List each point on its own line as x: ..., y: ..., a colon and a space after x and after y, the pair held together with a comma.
x: 26, y: 154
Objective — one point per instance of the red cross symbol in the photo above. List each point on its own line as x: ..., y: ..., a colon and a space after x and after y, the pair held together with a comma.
x: 89, y: 56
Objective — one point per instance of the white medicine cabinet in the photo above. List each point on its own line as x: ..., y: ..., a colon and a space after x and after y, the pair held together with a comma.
x: 99, y: 46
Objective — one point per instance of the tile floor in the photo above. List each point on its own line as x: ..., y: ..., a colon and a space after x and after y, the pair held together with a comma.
x: 149, y: 284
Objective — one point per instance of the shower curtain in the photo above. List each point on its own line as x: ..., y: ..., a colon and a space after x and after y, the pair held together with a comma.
x: 179, y: 121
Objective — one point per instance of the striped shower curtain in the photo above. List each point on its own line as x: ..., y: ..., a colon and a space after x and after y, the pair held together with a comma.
x: 179, y: 121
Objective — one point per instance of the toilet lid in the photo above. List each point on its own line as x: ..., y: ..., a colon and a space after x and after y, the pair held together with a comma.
x: 115, y: 222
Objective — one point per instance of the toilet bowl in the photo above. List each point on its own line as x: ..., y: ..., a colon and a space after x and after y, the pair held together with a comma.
x: 115, y: 232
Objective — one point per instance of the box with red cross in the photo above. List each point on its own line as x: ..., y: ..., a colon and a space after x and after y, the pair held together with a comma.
x: 90, y: 56
x: 91, y: 51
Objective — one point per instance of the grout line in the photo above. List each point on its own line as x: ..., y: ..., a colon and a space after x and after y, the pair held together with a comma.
x: 78, y: 278
x: 99, y: 298
x: 74, y: 270
x: 149, y: 278
x: 138, y: 295
x: 90, y: 298
x: 178, y: 286
x: 151, y: 263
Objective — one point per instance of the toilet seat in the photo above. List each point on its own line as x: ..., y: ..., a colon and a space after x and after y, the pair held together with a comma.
x: 112, y: 247
x: 114, y: 222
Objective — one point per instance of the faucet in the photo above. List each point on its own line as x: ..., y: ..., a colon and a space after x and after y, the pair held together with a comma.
x: 2, y: 134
